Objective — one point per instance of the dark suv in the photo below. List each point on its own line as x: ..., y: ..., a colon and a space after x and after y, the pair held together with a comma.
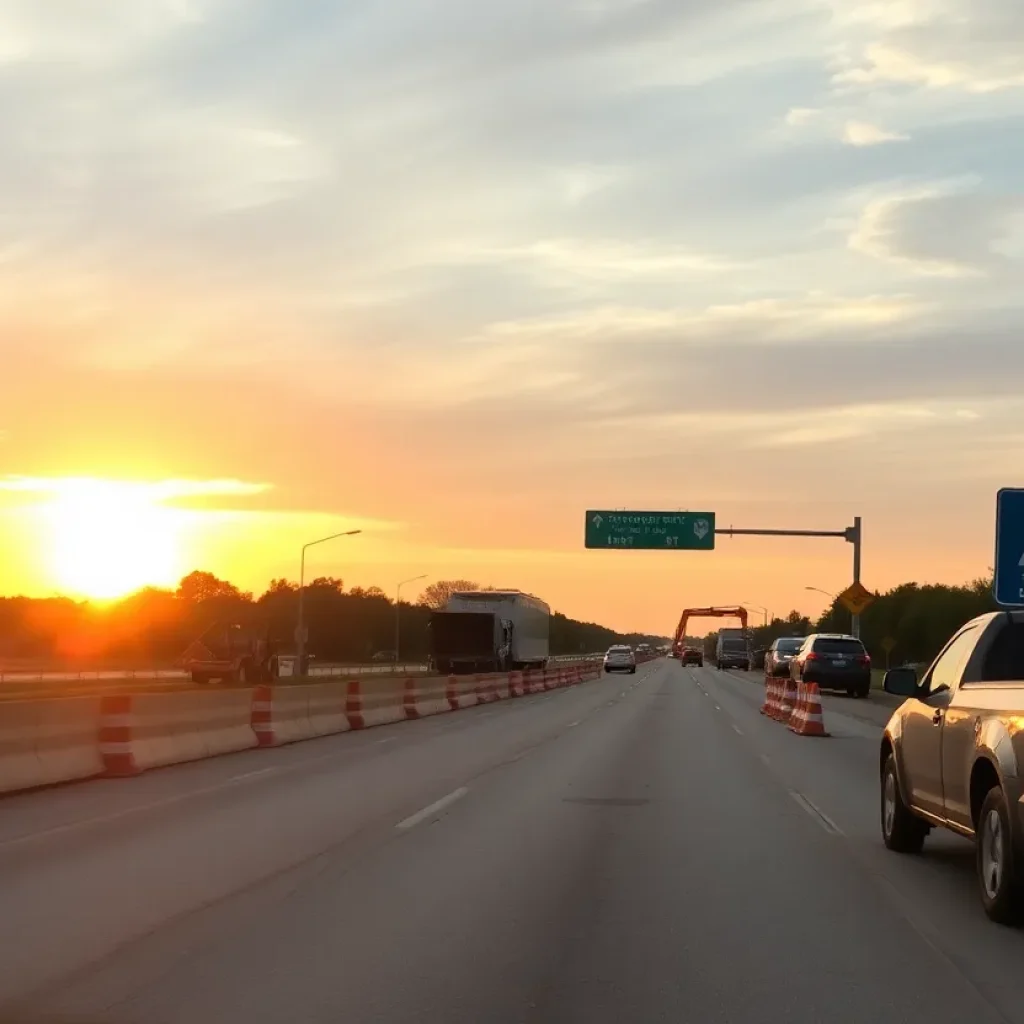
x: 692, y: 656
x: 780, y: 654
x: 835, y: 662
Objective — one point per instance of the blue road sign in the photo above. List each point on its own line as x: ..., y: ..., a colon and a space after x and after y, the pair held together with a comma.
x: 1009, y: 582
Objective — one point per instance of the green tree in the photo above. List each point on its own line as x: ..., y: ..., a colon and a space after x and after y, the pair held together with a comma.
x: 199, y: 586
x: 436, y: 594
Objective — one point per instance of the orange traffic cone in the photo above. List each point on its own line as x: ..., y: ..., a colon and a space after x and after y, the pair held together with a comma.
x: 809, y: 718
x: 787, y: 706
x: 769, y: 694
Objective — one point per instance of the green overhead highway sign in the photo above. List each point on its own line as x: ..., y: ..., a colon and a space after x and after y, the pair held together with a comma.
x: 651, y: 531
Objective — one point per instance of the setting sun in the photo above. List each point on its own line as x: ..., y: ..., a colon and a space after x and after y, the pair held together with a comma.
x: 109, y: 538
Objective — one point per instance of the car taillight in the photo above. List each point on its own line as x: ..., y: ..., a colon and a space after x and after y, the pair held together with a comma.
x: 863, y: 659
x: 813, y: 657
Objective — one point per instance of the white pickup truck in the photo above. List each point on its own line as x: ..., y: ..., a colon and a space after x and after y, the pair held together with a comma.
x: 953, y: 756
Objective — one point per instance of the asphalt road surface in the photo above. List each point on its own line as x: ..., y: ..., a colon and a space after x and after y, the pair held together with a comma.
x: 644, y: 848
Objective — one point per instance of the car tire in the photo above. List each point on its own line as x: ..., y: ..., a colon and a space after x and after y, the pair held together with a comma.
x: 851, y: 692
x: 632, y: 671
x: 998, y: 878
x: 902, y: 830
x: 864, y: 691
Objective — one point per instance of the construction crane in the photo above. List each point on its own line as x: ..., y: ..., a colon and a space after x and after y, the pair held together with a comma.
x: 737, y: 612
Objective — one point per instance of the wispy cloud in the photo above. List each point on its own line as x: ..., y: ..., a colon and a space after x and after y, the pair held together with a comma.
x: 862, y: 133
x: 332, y: 248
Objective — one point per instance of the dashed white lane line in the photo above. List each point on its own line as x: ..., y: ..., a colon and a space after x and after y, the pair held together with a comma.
x: 736, y: 729
x: 808, y: 805
x: 431, y: 809
x: 572, y: 725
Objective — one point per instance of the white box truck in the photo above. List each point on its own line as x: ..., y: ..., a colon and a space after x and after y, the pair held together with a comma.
x: 732, y: 649
x: 490, y: 631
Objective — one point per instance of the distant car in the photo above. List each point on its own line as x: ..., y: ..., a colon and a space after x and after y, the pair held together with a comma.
x: 834, y: 661
x: 692, y: 656
x: 780, y: 654
x: 620, y: 659
x: 385, y: 656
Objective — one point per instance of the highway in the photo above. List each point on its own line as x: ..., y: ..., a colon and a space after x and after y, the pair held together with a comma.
x: 638, y: 849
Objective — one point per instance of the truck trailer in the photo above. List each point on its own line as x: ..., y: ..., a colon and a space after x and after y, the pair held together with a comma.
x: 489, y: 631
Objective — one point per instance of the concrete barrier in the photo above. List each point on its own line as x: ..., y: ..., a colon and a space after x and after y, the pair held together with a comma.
x: 49, y: 741
x: 66, y: 739
x: 460, y: 692
x: 423, y: 697
x: 381, y: 701
x: 150, y: 730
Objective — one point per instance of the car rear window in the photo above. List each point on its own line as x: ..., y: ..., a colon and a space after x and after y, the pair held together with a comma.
x: 838, y: 646
x: 790, y: 646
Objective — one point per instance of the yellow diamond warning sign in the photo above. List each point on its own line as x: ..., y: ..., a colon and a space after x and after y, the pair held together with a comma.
x: 855, y: 598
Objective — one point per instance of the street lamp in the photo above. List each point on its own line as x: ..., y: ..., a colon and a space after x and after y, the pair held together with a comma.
x: 757, y: 607
x: 398, y: 614
x: 835, y: 600
x: 300, y: 632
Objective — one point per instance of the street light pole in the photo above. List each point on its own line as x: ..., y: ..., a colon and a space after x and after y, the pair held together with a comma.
x: 757, y: 607
x: 300, y: 632
x: 855, y: 621
x: 398, y: 614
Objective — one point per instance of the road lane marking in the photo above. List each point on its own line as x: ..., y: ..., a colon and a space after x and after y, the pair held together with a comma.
x: 766, y: 759
x: 387, y: 739
x: 808, y: 805
x: 737, y: 730
x: 572, y: 725
x: 438, y: 805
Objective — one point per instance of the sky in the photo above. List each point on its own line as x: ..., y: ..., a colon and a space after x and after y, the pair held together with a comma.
x: 452, y: 273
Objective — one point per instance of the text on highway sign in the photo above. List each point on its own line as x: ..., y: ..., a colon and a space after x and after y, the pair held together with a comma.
x: 1009, y: 581
x: 650, y: 531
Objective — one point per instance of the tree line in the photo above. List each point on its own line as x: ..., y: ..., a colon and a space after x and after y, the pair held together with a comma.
x: 908, y: 624
x: 152, y: 628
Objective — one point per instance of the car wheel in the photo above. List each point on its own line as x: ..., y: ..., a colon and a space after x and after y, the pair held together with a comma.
x: 902, y: 831
x: 997, y: 874
x: 851, y: 691
x: 864, y: 691
x: 632, y: 671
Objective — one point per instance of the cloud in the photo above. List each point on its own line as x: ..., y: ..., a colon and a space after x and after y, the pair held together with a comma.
x: 801, y: 115
x: 946, y: 235
x: 155, y: 491
x: 861, y: 133
x: 297, y: 242
x: 972, y: 45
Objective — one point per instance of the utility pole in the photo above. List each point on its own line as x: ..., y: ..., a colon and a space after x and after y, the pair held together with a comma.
x: 398, y: 615
x: 300, y: 629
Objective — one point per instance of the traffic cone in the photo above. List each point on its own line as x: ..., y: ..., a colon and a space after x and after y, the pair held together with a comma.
x: 809, y: 718
x: 769, y: 692
x: 788, y: 703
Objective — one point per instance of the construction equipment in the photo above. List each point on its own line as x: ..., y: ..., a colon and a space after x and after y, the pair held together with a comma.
x: 679, y: 641
x: 232, y: 653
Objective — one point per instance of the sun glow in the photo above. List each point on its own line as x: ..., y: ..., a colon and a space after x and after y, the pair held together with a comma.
x: 109, y: 538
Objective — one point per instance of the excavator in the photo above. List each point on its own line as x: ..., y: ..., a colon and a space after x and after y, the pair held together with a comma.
x: 679, y: 641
